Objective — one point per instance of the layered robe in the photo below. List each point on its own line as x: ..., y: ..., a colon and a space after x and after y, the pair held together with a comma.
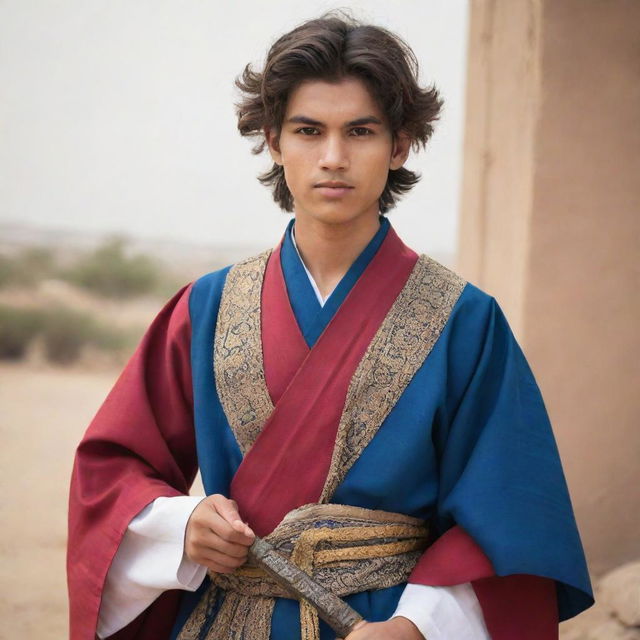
x: 407, y: 392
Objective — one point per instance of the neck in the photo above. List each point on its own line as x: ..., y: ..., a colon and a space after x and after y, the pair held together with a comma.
x: 329, y: 250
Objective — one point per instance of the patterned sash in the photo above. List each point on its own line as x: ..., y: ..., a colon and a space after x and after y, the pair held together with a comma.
x: 346, y: 549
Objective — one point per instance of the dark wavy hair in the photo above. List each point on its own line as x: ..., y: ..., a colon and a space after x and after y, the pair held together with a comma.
x: 331, y: 48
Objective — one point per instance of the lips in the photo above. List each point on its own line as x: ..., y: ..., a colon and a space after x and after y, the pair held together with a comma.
x: 333, y: 190
x: 333, y: 184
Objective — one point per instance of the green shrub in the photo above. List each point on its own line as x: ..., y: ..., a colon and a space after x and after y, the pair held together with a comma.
x: 6, y: 271
x: 27, y: 268
x: 110, y: 272
x: 64, y: 332
x: 18, y: 327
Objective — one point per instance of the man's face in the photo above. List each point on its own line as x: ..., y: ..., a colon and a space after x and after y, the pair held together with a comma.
x: 335, y: 134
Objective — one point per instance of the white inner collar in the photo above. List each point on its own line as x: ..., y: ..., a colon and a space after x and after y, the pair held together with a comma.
x: 314, y: 286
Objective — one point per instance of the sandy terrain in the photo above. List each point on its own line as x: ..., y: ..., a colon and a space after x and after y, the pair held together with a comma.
x: 44, y: 413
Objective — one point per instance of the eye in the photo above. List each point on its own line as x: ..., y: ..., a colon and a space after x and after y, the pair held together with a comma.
x: 361, y: 131
x: 307, y: 131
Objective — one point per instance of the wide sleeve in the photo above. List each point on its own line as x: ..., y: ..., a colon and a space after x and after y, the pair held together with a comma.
x: 442, y: 613
x: 140, y: 446
x: 149, y: 561
x: 503, y: 508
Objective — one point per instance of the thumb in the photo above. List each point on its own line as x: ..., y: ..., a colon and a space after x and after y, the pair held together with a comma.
x: 228, y: 509
x: 356, y: 627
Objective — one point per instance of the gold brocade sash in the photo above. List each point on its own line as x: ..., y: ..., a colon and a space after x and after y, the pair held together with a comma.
x: 346, y: 549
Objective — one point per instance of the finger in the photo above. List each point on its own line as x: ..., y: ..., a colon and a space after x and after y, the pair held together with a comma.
x: 222, y: 528
x: 228, y: 509
x: 214, y: 566
x: 353, y: 634
x: 210, y: 540
x: 219, y: 563
x: 223, y: 560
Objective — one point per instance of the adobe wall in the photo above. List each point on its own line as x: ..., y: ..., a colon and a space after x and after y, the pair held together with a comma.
x: 550, y: 226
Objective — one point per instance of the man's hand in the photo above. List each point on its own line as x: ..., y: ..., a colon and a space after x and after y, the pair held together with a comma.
x: 216, y: 537
x: 398, y: 628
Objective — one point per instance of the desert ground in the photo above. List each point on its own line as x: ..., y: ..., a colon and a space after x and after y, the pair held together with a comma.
x: 44, y: 412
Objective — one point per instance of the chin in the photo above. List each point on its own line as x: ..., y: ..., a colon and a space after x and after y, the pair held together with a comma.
x: 336, y: 214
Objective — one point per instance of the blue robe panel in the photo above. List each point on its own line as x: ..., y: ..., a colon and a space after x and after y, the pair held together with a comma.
x: 469, y: 442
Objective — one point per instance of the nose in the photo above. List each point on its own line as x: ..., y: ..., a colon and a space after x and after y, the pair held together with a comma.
x: 334, y: 154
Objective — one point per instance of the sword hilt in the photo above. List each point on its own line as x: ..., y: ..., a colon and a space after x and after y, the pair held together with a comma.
x: 341, y: 617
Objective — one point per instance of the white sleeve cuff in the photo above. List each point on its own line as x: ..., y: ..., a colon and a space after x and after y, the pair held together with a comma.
x: 442, y: 613
x: 149, y: 560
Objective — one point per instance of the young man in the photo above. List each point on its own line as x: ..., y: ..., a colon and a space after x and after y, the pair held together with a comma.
x: 360, y: 406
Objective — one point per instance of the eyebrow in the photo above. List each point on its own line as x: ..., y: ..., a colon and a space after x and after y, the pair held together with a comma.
x: 352, y: 123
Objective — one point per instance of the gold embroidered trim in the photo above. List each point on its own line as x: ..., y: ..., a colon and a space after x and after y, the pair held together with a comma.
x: 346, y: 549
x: 237, y: 354
x: 400, y: 346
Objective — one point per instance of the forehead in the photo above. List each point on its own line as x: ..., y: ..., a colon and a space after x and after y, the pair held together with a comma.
x: 346, y: 99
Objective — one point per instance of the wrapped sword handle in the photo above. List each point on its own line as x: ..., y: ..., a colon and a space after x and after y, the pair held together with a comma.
x: 341, y: 617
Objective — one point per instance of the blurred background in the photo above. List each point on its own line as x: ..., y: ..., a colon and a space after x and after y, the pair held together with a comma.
x: 123, y: 177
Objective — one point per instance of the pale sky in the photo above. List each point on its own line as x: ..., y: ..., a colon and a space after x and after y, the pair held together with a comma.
x: 117, y: 116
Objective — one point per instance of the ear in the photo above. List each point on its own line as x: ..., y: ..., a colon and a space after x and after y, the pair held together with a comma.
x: 400, y: 151
x: 273, y: 142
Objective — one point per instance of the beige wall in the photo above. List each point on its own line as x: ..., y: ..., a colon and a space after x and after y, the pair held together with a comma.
x: 502, y: 105
x: 551, y: 226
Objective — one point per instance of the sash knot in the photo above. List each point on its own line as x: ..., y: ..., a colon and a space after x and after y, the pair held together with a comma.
x: 345, y: 549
